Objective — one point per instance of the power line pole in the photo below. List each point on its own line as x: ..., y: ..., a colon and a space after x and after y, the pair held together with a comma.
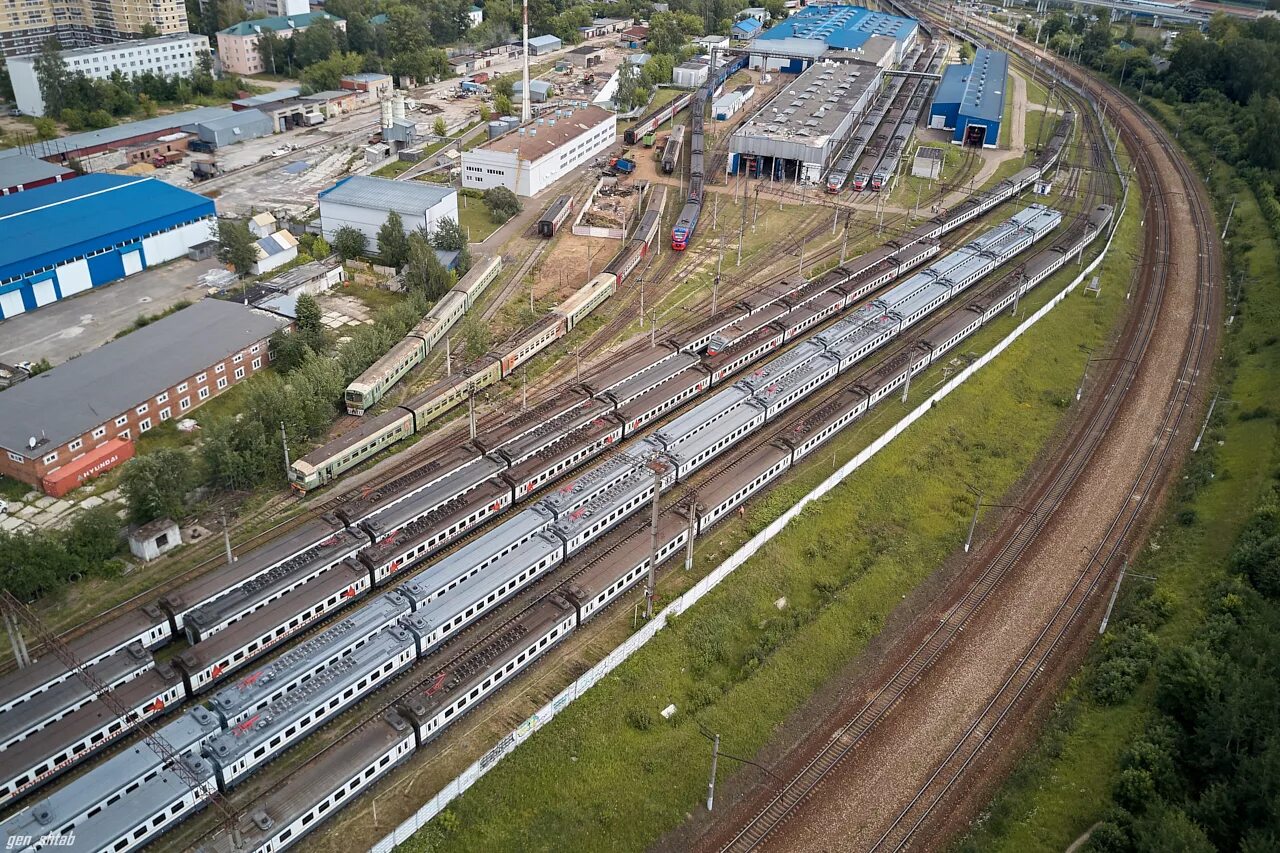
x: 653, y: 541
x: 284, y: 442
x: 688, y: 550
x: 471, y: 410
x: 226, y: 539
x: 711, y: 784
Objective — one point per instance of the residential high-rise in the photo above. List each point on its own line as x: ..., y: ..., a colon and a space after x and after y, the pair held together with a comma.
x: 25, y: 26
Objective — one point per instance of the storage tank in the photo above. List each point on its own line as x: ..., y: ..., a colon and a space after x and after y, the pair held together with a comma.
x: 397, y: 106
x: 386, y: 114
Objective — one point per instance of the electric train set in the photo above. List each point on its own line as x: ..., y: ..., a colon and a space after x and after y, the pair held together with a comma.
x: 235, y: 614
x: 375, y: 434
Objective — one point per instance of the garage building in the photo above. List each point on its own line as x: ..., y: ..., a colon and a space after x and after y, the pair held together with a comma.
x: 541, y: 152
x: 79, y: 419
x: 837, y: 29
x: 65, y: 238
x: 970, y: 99
x: 796, y: 135
x: 364, y: 202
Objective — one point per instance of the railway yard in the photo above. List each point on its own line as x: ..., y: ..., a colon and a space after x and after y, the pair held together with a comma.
x: 478, y: 533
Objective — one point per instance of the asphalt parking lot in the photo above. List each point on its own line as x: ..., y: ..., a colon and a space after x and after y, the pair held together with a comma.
x: 90, y: 319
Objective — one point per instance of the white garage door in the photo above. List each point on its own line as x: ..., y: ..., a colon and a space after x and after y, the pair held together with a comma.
x: 11, y: 304
x: 44, y: 292
x: 132, y: 262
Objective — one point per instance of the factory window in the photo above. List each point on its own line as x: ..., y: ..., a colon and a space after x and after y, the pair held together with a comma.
x: 255, y: 347
x: 257, y: 362
x: 182, y: 387
x: 75, y: 445
x: 239, y: 357
x: 221, y: 368
x: 202, y: 377
x: 239, y: 373
x: 144, y: 425
x: 122, y: 420
x: 184, y: 403
x: 100, y: 432
x: 222, y: 382
x: 163, y: 398
x: 51, y: 458
x: 141, y: 410
x: 204, y: 393
x: 164, y: 413
x: 14, y: 457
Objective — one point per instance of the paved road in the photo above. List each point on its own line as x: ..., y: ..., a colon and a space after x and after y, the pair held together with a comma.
x: 89, y: 320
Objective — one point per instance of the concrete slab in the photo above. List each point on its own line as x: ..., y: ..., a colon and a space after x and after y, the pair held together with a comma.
x: 90, y: 319
x: 58, y: 507
x: 28, y: 512
x: 91, y: 502
x: 44, y: 519
x: 45, y: 502
x: 110, y: 495
x: 11, y: 523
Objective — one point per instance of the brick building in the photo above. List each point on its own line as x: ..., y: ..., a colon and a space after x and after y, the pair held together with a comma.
x: 80, y: 418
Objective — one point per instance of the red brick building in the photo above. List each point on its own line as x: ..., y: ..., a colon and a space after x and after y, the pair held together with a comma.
x: 72, y: 422
x: 22, y: 172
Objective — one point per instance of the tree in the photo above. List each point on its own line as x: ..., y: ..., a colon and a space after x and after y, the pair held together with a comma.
x: 99, y: 119
x: 94, y: 536
x: 148, y: 31
x: 349, y: 242
x: 504, y: 86
x: 155, y: 485
x: 236, y: 245
x: 46, y: 129
x: 327, y: 74
x: 309, y: 315
x: 449, y: 236
x: 317, y: 43
x: 320, y: 248
x: 777, y: 10
x: 485, y: 112
x: 52, y: 76
x: 423, y: 272
x: 502, y: 105
x: 632, y: 92
x: 477, y: 335
x: 439, y: 128
x: 393, y: 243
x: 502, y: 204
x: 665, y: 35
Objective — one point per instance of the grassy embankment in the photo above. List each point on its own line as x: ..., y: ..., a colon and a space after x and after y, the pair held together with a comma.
x: 1064, y: 785
x: 735, y: 663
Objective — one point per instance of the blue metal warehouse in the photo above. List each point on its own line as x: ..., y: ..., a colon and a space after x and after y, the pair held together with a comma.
x: 66, y: 238
x: 835, y: 28
x: 970, y: 99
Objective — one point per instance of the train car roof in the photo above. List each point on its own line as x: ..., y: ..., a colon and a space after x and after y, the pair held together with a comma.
x: 367, y: 427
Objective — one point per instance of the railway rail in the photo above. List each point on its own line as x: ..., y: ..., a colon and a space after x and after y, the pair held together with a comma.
x: 1050, y: 494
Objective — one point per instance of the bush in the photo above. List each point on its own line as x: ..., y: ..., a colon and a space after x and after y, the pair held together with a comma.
x: 502, y: 204
x: 640, y: 719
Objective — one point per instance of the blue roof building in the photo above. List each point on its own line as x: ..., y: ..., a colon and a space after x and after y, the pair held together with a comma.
x: 65, y: 238
x: 841, y: 28
x: 970, y: 99
x: 747, y: 28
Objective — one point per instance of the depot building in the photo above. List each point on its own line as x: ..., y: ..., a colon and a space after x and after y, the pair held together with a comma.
x: 530, y: 158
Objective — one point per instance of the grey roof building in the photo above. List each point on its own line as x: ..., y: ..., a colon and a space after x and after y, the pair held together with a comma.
x: 364, y: 202
x: 232, y: 127
x: 124, y: 388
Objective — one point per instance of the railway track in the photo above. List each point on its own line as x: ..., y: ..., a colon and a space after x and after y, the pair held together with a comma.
x: 1067, y: 613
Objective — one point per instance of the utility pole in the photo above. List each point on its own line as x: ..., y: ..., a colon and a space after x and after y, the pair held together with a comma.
x: 1209, y: 415
x: 844, y: 243
x: 688, y: 549
x: 226, y: 539
x: 284, y: 442
x: 711, y: 784
x: 653, y: 327
x: 524, y: 390
x: 1229, y: 215
x: 1106, y: 617
x: 448, y: 358
x: 977, y: 504
x: 471, y: 410
x: 20, y: 653
x: 906, y: 387
x: 653, y: 541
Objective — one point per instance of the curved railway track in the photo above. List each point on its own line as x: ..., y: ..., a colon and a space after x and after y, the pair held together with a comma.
x: 1082, y: 444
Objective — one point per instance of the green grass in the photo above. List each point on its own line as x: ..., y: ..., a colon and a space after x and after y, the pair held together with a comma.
x: 623, y: 775
x: 373, y: 298
x: 475, y: 220
x: 1006, y: 120
x: 394, y: 168
x: 1063, y: 786
x: 14, y: 490
x: 1036, y: 92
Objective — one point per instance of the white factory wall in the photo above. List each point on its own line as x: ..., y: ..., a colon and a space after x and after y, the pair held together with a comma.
x: 367, y: 220
x: 174, y: 244
x: 483, y: 169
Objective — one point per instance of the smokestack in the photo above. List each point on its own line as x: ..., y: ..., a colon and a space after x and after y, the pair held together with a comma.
x: 386, y: 114
x: 525, y: 97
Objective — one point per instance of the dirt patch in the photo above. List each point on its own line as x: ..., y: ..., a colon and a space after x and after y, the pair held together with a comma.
x: 571, y: 262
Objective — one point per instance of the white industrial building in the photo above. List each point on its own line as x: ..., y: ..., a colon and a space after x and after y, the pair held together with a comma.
x: 364, y: 202
x: 690, y: 75
x: 797, y: 134
x: 167, y: 56
x: 541, y: 152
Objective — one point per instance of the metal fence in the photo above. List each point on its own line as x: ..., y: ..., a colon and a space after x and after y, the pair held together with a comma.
x: 615, y: 658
